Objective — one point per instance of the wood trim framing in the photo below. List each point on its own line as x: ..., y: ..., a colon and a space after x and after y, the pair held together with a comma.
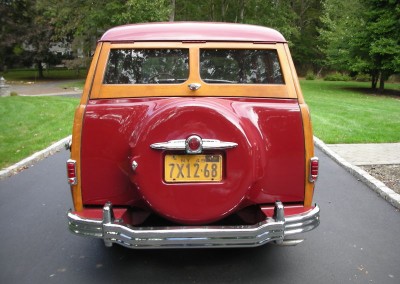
x: 76, y: 190
x: 102, y: 91
x: 309, y: 153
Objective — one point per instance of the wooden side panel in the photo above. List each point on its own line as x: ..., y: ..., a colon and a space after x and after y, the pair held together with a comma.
x: 309, y: 153
x: 307, y: 129
x: 77, y: 131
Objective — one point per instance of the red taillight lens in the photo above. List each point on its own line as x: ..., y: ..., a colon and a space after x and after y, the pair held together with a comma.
x: 314, y: 165
x: 71, y: 172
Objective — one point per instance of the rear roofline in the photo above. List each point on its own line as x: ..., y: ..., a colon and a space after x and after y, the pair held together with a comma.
x: 192, y: 31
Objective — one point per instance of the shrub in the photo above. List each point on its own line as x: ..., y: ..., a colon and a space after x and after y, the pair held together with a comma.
x: 337, y: 77
x: 394, y: 78
x: 310, y: 76
x: 363, y: 78
x: 13, y: 94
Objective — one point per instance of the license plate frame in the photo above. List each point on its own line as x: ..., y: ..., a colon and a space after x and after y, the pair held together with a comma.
x: 183, y: 168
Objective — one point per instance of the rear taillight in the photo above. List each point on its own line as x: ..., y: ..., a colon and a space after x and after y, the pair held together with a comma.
x: 71, y: 172
x: 314, y: 164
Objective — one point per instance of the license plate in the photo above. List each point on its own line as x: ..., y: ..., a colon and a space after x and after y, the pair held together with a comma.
x: 193, y: 168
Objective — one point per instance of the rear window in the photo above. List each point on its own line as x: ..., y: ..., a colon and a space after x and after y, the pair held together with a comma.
x: 147, y: 66
x: 240, y: 66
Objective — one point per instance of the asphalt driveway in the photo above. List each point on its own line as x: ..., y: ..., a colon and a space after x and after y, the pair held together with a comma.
x: 355, y: 243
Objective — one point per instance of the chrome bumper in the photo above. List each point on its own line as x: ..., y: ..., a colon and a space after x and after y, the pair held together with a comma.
x: 274, y: 229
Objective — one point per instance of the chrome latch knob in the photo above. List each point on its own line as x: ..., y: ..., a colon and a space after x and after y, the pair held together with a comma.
x: 194, y: 86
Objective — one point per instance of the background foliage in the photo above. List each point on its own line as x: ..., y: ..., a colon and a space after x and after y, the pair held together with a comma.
x: 353, y: 36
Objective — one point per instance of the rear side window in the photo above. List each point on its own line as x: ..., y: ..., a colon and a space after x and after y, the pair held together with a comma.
x: 147, y: 66
x: 240, y: 66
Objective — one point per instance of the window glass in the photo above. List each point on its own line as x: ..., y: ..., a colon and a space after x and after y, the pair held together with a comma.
x: 240, y: 66
x: 147, y: 66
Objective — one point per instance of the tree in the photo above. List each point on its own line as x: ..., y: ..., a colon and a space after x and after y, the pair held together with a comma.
x: 39, y: 38
x: 25, y: 29
x: 275, y: 14
x: 362, y: 37
x: 297, y: 20
x: 341, y: 22
x: 306, y: 19
x: 141, y: 11
x: 92, y: 18
x: 14, y: 22
x: 212, y: 10
x: 382, y: 37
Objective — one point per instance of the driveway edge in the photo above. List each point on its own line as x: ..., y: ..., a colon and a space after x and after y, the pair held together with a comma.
x: 30, y: 161
x: 376, y: 185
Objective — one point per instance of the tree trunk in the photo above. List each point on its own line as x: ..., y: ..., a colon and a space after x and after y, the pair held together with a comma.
x: 40, y: 69
x: 172, y: 13
x: 241, y: 15
x: 374, y: 80
x: 212, y: 13
x: 224, y: 9
x: 382, y: 83
x: 319, y: 72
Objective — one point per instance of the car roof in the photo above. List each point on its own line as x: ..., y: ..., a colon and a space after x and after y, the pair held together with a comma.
x: 192, y: 31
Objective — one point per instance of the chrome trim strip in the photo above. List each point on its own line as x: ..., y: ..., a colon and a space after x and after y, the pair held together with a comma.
x: 269, y: 230
x: 178, y: 145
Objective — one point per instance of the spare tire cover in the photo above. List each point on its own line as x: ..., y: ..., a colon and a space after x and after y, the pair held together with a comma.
x: 179, y: 118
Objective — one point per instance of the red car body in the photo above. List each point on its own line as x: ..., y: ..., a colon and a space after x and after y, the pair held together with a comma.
x: 212, y: 149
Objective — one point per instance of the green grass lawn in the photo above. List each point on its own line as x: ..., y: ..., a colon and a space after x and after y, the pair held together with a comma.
x: 342, y: 112
x: 30, y: 124
x: 348, y: 112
